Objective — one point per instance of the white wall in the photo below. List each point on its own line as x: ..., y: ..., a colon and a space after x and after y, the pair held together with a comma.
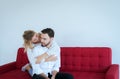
x: 76, y: 23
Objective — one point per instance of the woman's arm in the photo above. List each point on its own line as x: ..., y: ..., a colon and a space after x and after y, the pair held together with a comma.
x: 51, y: 58
x: 41, y: 57
x: 46, y: 58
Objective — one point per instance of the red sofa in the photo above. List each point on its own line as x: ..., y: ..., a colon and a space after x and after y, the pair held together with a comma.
x: 81, y: 62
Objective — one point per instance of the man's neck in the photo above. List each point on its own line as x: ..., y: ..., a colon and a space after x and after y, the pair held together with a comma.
x: 48, y: 46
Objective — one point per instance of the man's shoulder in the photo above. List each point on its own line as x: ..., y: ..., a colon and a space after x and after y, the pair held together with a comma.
x: 54, y: 43
x: 38, y: 46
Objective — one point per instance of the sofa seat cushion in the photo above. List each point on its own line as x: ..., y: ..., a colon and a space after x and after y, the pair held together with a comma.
x: 15, y: 74
x: 88, y: 75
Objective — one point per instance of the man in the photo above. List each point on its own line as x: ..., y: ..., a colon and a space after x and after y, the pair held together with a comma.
x: 47, y: 40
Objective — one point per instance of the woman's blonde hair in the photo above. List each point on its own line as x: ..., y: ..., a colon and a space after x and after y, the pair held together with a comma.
x: 27, y: 36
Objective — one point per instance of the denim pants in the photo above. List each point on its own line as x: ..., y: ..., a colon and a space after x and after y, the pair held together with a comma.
x: 31, y: 72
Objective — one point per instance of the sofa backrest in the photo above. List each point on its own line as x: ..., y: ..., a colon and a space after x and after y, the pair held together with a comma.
x: 21, y: 59
x: 96, y: 59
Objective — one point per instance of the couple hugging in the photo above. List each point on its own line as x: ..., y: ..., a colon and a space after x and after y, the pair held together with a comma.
x: 43, y: 54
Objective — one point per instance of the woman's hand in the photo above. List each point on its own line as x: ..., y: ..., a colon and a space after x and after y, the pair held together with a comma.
x: 51, y: 58
x: 41, y: 57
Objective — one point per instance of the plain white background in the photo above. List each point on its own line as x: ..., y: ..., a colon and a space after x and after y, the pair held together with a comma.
x: 82, y: 23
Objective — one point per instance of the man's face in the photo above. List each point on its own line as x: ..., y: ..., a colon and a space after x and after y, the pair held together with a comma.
x: 45, y: 40
x: 35, y: 38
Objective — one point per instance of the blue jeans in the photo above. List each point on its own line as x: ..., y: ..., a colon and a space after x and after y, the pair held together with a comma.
x: 31, y: 72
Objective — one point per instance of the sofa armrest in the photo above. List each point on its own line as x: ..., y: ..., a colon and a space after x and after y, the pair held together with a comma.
x: 7, y: 67
x: 113, y: 72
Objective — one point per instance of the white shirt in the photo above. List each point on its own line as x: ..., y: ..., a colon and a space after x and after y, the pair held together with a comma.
x: 44, y: 67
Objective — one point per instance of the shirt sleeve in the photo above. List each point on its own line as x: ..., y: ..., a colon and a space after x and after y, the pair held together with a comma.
x: 56, y: 66
x: 31, y: 56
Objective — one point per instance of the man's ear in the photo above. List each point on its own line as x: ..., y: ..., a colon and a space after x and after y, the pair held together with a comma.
x: 52, y: 38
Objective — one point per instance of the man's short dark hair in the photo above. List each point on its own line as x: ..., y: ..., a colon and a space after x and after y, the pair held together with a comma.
x: 48, y: 31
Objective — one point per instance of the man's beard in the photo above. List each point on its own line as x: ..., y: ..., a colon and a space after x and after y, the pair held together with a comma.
x: 46, y: 44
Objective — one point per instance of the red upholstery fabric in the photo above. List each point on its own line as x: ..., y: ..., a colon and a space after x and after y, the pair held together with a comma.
x: 88, y: 62
x: 7, y: 67
x: 87, y: 75
x: 13, y: 70
x: 81, y: 62
x: 15, y: 74
x: 113, y: 72
x: 86, y: 59
x: 21, y: 58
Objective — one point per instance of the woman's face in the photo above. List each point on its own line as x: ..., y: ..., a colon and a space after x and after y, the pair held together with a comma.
x: 35, y: 38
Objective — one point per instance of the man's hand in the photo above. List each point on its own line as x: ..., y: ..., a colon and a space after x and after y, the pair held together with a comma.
x: 53, y: 77
x: 54, y: 74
